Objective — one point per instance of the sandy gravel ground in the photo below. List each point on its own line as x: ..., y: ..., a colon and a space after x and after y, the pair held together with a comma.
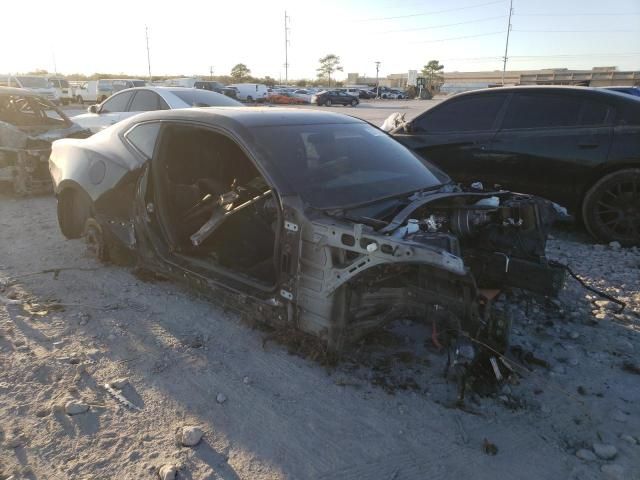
x: 384, y: 412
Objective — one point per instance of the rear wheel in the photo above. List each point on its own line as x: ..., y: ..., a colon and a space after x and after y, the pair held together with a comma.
x: 74, y: 208
x: 79, y: 99
x: 249, y: 98
x: 611, y: 208
x: 327, y: 103
x: 354, y: 102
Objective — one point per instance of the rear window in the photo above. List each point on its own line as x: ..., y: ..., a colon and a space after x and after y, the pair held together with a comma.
x: 532, y: 110
x: 204, y: 98
x: 473, y: 113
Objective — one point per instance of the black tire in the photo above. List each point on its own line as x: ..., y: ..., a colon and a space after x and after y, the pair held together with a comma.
x: 249, y: 98
x: 80, y: 100
x: 327, y: 102
x: 74, y: 208
x: 611, y: 208
x: 354, y: 102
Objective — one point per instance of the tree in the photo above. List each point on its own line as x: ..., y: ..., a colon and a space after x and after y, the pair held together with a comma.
x: 431, y: 73
x: 240, y: 72
x: 329, y: 64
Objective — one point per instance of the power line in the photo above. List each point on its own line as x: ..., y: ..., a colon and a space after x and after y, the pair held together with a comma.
x: 465, y: 36
x: 577, y: 31
x: 587, y: 14
x: 431, y: 27
x: 434, y: 12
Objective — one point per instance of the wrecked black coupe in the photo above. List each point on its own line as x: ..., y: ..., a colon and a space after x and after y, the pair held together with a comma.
x: 303, y: 219
x: 28, y: 125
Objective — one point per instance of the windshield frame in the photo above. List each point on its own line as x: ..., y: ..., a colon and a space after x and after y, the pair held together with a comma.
x: 270, y: 151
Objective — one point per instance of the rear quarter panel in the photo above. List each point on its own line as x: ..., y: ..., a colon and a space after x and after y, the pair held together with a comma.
x: 95, y: 164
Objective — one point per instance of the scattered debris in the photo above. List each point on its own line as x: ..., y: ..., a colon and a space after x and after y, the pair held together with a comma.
x: 631, y: 367
x: 74, y: 407
x: 586, y: 455
x: 221, y: 398
x: 489, y: 448
x: 191, y: 436
x: 119, y: 383
x: 120, y: 398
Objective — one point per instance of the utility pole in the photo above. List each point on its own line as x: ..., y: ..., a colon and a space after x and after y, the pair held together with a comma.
x: 211, y: 72
x: 55, y: 67
x: 377, y: 82
x: 506, y: 47
x: 286, y: 48
x: 146, y: 34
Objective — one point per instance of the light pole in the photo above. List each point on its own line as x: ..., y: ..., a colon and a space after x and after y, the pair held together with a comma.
x: 377, y: 83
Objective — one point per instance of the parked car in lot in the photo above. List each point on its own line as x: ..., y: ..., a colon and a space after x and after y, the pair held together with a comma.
x: 366, y: 94
x: 105, y: 89
x: 577, y: 146
x: 251, y: 92
x: 302, y: 219
x: 28, y: 125
x: 217, y: 87
x: 334, y: 97
x: 126, y: 103
x: 124, y: 83
x: 304, y: 95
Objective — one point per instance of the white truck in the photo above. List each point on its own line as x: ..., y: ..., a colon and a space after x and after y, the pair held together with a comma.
x: 251, y: 92
x: 64, y: 91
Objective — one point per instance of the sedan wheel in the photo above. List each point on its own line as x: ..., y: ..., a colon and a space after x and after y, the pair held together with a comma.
x: 327, y: 103
x: 611, y: 208
x: 354, y: 103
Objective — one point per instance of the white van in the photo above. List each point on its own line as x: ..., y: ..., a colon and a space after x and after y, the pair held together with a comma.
x: 34, y: 83
x: 251, y: 92
x: 86, y: 92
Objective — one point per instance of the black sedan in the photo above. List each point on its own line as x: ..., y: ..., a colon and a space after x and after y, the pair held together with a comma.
x: 301, y: 219
x: 579, y: 147
x: 334, y: 97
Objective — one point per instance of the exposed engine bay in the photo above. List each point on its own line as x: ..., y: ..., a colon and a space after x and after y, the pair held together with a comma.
x: 442, y: 258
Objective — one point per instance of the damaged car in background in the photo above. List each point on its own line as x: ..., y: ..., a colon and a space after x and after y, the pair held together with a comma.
x: 307, y: 220
x: 28, y: 125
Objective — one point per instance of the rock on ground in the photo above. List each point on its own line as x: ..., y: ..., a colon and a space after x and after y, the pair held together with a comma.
x: 604, y: 451
x: 73, y: 407
x: 167, y: 472
x: 191, y: 436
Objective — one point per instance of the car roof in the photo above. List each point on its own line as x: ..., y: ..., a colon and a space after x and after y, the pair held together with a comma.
x: 603, y: 92
x: 250, y: 116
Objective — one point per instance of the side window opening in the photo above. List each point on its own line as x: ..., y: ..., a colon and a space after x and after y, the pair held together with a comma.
x: 215, y: 203
x: 474, y: 113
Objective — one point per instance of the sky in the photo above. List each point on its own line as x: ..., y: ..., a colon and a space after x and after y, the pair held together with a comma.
x: 190, y: 38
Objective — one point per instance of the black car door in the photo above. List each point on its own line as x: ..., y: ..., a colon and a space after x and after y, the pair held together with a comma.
x: 549, y: 142
x: 456, y: 134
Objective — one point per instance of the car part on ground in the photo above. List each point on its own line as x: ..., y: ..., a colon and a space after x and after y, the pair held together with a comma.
x: 28, y: 125
x: 298, y: 219
x: 575, y: 146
